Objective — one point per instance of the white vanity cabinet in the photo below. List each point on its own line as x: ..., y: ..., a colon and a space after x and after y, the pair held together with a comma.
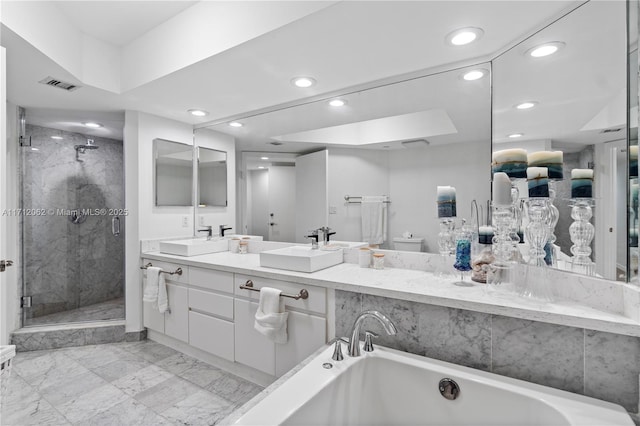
x: 306, y: 326
x: 174, y: 323
x: 210, y: 312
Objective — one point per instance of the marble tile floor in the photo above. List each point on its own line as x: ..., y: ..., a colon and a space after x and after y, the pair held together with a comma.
x: 136, y: 383
x: 109, y: 310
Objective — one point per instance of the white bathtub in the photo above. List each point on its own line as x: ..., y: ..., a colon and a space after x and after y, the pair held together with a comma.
x: 389, y: 387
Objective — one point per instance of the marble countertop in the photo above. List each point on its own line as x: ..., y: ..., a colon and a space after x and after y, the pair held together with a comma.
x: 423, y: 287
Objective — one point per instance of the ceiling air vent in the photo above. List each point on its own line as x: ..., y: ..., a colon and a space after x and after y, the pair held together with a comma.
x: 50, y: 81
x: 276, y: 143
x: 611, y: 130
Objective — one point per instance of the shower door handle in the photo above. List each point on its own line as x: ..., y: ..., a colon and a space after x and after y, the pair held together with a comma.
x: 115, y: 226
x: 4, y: 264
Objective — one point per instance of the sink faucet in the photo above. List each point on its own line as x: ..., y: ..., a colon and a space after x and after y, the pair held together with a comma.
x: 354, y: 341
x: 208, y: 230
x: 224, y: 228
x: 314, y: 239
x: 326, y: 231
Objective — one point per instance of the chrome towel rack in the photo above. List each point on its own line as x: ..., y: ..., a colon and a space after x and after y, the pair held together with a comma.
x: 176, y: 272
x: 348, y: 198
x: 304, y: 294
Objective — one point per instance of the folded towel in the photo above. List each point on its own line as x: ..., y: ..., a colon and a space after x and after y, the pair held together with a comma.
x: 374, y: 226
x: 271, y: 319
x: 155, y: 291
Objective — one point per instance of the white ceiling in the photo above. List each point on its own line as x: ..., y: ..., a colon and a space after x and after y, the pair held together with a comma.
x: 342, y: 46
x: 119, y: 22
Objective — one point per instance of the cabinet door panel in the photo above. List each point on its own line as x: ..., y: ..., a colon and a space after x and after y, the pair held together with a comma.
x: 211, y: 334
x: 176, y: 323
x: 151, y: 318
x: 252, y: 348
x: 306, y: 334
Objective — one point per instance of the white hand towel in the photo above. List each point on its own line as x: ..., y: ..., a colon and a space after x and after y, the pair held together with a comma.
x: 163, y: 298
x: 156, y: 289
x: 373, y: 219
x: 271, y: 319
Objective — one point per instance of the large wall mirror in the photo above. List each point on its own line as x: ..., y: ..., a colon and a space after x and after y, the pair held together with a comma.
x: 212, y: 177
x: 310, y: 165
x: 576, y: 102
x: 173, y: 173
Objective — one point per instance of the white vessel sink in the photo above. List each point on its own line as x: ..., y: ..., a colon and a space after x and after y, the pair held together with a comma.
x: 300, y: 259
x: 193, y: 247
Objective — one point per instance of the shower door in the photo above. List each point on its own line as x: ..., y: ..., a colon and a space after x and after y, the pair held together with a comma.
x: 72, y: 227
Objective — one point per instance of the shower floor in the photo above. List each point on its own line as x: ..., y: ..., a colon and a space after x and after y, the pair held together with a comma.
x: 109, y: 310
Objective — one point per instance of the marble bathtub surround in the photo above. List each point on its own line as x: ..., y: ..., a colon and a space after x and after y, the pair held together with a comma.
x: 598, y: 364
x: 68, y: 266
x: 141, y: 383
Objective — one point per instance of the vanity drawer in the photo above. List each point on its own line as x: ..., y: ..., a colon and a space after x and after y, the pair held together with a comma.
x: 211, y: 303
x: 212, y: 335
x: 169, y: 267
x: 316, y: 302
x: 211, y: 279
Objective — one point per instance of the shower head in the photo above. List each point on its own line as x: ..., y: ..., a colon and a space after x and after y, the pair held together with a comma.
x: 82, y: 148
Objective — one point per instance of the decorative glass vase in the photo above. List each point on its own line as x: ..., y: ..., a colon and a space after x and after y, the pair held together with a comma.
x: 536, y: 285
x: 446, y: 246
x: 502, y: 218
x: 463, y: 254
x: 582, y: 233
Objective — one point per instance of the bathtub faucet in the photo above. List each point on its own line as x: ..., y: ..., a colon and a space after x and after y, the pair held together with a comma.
x: 354, y: 341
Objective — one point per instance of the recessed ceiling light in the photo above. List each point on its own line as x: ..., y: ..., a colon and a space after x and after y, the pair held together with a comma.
x: 473, y: 75
x: 337, y: 102
x: 516, y: 135
x: 92, y: 124
x: 56, y: 137
x: 261, y: 167
x: 264, y: 158
x: 526, y: 105
x: 545, y: 49
x: 236, y: 124
x: 303, y: 82
x: 464, y: 36
x: 35, y: 149
x: 198, y: 112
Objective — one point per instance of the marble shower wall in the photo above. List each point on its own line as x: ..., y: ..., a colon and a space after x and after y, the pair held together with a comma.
x: 69, y: 265
x: 593, y: 363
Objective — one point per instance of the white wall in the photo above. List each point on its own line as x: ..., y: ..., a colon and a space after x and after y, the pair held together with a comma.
x: 311, y: 193
x: 9, y: 229
x: 414, y: 175
x: 356, y: 173
x: 220, y: 215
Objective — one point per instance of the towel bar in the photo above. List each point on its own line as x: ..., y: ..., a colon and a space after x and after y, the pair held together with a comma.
x: 177, y: 271
x: 348, y: 198
x: 304, y: 294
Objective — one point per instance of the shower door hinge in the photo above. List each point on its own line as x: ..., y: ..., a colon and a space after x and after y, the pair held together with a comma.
x: 25, y: 302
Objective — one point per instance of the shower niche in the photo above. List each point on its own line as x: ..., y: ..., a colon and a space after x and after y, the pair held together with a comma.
x: 72, y: 196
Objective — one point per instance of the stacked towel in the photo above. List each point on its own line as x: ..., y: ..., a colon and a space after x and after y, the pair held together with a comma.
x: 271, y: 319
x: 374, y: 219
x: 155, y: 291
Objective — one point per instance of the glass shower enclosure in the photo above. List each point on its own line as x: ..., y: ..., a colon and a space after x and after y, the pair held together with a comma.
x: 72, y: 220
